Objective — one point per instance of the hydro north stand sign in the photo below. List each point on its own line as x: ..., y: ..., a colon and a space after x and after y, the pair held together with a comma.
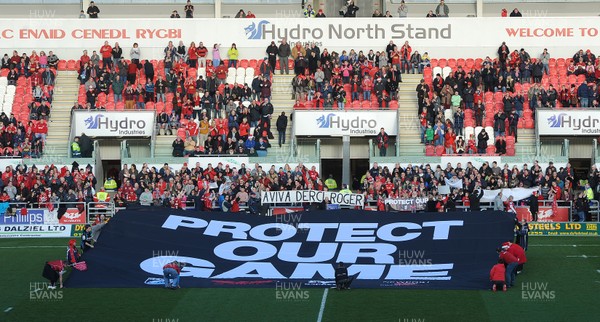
x: 382, y: 250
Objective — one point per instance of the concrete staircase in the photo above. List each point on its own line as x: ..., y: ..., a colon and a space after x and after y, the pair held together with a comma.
x: 66, y: 91
x: 526, y: 142
x: 409, y: 129
x: 281, y: 98
x: 408, y: 123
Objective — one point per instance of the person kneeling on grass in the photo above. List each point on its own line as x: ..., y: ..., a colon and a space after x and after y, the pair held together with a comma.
x: 53, y: 271
x: 498, y: 276
x: 342, y: 281
x: 171, y: 272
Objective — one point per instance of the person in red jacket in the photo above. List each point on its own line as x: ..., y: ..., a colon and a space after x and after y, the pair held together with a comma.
x: 72, y: 252
x: 519, y: 253
x: 53, y: 271
x: 171, y: 273
x: 41, y: 130
x: 510, y: 262
x: 498, y: 276
x: 106, y: 52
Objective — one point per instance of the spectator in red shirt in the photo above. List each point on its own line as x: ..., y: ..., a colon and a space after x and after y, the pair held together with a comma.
x: 41, y: 130
x: 519, y: 253
x: 106, y: 52
x: 193, y: 55
x: 511, y: 263
x: 221, y: 72
x: 53, y: 271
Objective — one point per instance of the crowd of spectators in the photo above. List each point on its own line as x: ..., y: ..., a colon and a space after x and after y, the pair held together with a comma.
x: 224, y: 187
x: 415, y: 181
x: 221, y: 186
x: 332, y: 80
x: 209, y: 115
x: 498, y: 93
x: 24, y: 125
x: 45, y: 187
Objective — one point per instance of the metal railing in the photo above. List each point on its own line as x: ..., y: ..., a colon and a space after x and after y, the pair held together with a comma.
x: 125, y: 152
x: 594, y: 151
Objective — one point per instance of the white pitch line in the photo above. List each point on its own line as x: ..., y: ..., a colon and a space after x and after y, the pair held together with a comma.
x: 582, y: 256
x: 8, y: 309
x: 20, y: 247
x: 322, y: 309
x: 598, y: 270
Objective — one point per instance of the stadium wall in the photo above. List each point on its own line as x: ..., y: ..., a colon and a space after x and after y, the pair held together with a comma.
x: 442, y: 38
x: 531, y: 8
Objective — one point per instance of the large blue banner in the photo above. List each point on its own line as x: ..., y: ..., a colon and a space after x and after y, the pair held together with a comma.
x: 382, y: 250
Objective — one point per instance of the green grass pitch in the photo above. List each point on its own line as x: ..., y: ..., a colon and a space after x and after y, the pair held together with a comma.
x: 562, y: 280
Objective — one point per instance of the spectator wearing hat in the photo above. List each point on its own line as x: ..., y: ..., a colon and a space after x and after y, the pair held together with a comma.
x: 72, y: 252
x: 511, y: 263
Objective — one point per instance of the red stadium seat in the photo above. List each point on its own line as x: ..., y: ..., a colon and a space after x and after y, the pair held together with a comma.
x: 439, y: 150
x: 510, y: 151
x: 478, y: 63
x: 430, y: 150
x: 491, y: 150
x: 452, y: 63
x: 529, y: 123
x: 469, y: 62
x: 181, y: 132
x: 160, y: 106
x: 62, y: 64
